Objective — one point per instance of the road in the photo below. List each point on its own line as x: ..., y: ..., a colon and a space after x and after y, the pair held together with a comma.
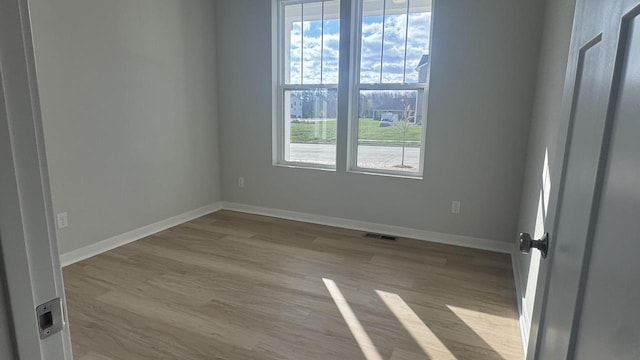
x: 379, y: 157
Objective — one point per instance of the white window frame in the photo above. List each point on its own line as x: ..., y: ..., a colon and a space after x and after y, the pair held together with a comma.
x: 354, y: 97
x: 280, y: 128
x: 354, y: 87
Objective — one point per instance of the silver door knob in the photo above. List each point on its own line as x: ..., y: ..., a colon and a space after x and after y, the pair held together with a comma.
x: 526, y: 243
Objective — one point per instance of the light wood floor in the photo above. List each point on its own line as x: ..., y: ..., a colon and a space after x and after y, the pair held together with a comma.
x: 238, y: 286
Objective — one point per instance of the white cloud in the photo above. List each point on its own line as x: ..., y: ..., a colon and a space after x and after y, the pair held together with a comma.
x: 393, y: 56
x: 319, y: 60
x: 315, y: 55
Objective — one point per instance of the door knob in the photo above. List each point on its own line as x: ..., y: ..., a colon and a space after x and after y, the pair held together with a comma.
x: 526, y: 243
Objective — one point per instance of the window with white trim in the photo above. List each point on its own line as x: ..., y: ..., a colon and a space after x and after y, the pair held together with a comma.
x: 386, y: 84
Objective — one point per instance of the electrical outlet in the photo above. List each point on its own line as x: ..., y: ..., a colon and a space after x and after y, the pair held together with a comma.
x: 241, y: 182
x: 455, y: 207
x: 62, y: 219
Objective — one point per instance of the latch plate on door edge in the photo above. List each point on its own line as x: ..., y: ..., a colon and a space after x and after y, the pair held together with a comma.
x: 49, y: 318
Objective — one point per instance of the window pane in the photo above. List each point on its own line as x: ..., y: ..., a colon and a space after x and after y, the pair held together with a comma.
x: 331, y: 42
x: 293, y: 44
x: 310, y: 126
x: 394, y: 40
x: 418, y: 44
x: 390, y: 129
x: 395, y: 29
x: 371, y: 41
x: 312, y: 42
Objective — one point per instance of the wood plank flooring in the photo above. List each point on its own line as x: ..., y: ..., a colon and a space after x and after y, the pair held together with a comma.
x: 238, y: 286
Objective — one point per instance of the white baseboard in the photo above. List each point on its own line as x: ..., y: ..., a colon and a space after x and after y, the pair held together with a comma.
x: 131, y: 236
x: 460, y: 240
x: 137, y: 234
x: 523, y: 318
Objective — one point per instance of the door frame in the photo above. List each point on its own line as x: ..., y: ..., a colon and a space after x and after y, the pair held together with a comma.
x: 27, y: 232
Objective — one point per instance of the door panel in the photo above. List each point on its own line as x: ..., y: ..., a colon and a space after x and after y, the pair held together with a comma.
x: 584, y: 144
x: 6, y: 332
x: 609, y: 323
x: 589, y: 307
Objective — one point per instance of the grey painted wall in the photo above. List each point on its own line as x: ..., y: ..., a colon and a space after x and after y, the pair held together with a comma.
x: 484, y: 61
x: 128, y: 95
x: 6, y: 332
x: 554, y: 52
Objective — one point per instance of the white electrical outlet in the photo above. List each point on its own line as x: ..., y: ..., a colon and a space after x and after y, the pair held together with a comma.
x: 62, y: 219
x: 455, y: 207
x: 241, y: 182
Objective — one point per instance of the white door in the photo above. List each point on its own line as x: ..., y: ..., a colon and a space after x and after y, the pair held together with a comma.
x: 591, y: 279
x: 27, y: 236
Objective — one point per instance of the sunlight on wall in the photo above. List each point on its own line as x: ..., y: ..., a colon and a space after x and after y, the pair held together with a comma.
x: 362, y: 338
x: 426, y: 339
x: 546, y: 181
x: 528, y: 298
x: 534, y: 260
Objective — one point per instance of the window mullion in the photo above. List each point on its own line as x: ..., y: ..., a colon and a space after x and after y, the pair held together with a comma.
x: 346, y: 81
x: 322, y: 45
x: 302, y: 43
x: 308, y: 87
x: 384, y: 20
x: 406, y: 41
x: 388, y: 86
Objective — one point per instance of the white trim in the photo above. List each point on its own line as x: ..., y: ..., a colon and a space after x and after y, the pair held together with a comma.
x: 306, y: 166
x: 31, y: 265
x: 523, y: 318
x: 385, y: 172
x: 451, y: 239
x: 392, y: 86
x: 100, y: 247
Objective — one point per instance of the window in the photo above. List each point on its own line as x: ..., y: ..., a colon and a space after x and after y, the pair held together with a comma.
x: 390, y: 81
x: 307, y: 110
x: 386, y: 84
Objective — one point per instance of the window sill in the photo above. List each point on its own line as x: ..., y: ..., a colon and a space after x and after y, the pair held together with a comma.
x: 306, y: 166
x: 394, y: 174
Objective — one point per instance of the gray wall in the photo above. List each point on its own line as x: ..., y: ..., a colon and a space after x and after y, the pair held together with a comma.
x: 128, y: 95
x: 543, y: 140
x: 484, y: 61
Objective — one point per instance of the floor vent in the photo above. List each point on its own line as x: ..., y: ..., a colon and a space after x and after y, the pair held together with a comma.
x: 381, y: 237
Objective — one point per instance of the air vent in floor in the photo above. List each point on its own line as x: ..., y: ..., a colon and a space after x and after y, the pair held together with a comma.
x: 381, y: 237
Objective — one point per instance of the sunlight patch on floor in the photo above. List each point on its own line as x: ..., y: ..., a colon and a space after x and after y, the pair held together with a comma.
x: 362, y: 338
x: 424, y: 337
x: 482, y: 324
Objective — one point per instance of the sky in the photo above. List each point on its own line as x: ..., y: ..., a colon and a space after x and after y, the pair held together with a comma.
x: 308, y: 44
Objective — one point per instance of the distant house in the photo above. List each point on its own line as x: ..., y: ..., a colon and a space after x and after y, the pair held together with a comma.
x: 296, y: 107
x: 311, y: 104
x: 388, y: 107
x: 423, y: 68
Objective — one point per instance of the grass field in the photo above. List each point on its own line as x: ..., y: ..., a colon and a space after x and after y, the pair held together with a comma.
x: 370, y: 133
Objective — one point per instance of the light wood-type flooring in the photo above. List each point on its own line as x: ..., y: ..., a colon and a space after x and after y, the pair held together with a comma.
x: 238, y: 286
